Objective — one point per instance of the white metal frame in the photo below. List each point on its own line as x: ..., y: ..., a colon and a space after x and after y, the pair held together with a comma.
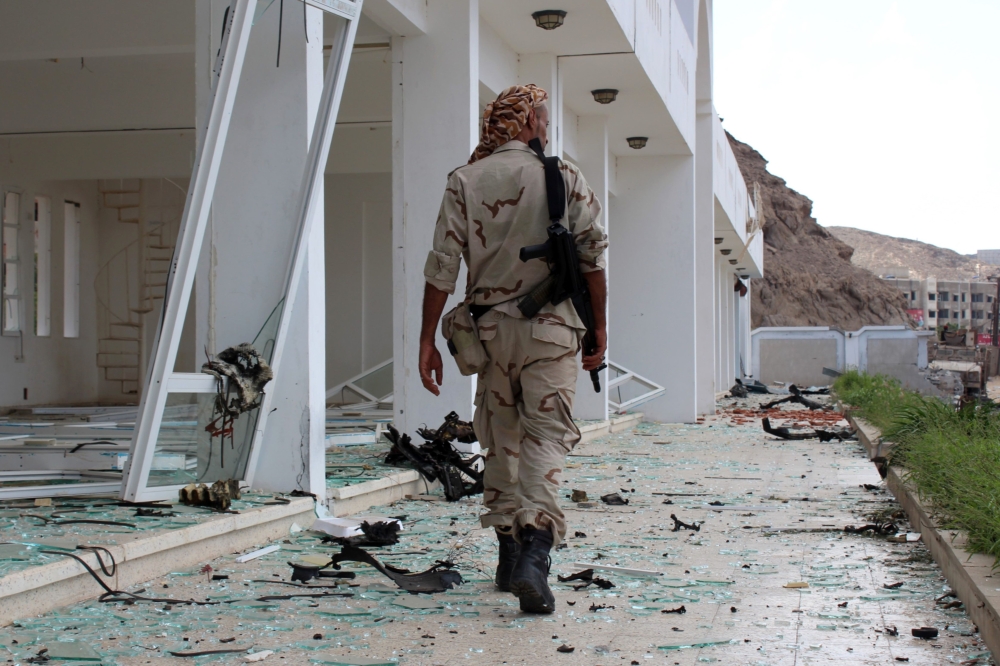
x: 160, y: 381
x: 624, y: 376
x: 351, y: 384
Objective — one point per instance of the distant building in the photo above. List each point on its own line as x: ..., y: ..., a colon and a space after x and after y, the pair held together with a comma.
x: 991, y: 257
x: 963, y: 303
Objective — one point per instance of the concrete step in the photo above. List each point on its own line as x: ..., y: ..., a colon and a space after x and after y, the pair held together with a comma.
x: 118, y: 346
x: 117, y: 360
x: 121, y: 374
x: 120, y: 200
x: 124, y: 330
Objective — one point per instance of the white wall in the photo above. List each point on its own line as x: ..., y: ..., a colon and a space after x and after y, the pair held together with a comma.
x: 358, y: 273
x: 54, y: 369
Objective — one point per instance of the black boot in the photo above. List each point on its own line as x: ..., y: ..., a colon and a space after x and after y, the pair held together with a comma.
x: 529, y: 581
x: 509, y: 550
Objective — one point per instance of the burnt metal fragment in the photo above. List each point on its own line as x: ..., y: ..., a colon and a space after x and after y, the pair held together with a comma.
x: 437, y: 459
x: 588, y: 578
x: 680, y: 610
x: 796, y: 396
x: 614, y: 499
x: 783, y: 432
x: 681, y: 525
x: 438, y: 578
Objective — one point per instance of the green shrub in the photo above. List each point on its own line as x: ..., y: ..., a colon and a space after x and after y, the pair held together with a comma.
x: 951, y: 457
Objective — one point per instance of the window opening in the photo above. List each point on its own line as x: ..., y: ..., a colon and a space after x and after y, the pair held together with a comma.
x: 71, y: 270
x: 43, y: 266
x: 11, y: 319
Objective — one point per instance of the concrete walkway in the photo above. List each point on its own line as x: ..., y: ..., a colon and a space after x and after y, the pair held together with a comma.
x: 784, y: 507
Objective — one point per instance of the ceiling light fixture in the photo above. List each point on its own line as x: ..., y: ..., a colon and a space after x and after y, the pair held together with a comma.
x: 604, y: 95
x: 725, y: 253
x: 637, y: 142
x: 718, y: 241
x: 549, y: 19
x: 733, y: 262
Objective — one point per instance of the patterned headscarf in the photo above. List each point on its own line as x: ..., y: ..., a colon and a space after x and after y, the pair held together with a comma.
x: 506, y: 116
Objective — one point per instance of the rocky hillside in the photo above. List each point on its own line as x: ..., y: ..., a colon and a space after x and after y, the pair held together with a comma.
x: 884, y: 255
x: 809, y: 279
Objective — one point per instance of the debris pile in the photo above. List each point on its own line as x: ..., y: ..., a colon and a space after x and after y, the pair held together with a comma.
x: 437, y: 459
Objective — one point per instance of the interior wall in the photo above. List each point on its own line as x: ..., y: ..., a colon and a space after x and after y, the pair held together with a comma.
x: 358, y: 273
x: 54, y: 369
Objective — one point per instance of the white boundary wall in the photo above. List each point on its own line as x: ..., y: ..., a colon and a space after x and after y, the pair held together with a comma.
x: 798, y: 354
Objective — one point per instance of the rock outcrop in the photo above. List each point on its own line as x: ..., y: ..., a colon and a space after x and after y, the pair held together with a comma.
x: 809, y: 279
x: 902, y: 257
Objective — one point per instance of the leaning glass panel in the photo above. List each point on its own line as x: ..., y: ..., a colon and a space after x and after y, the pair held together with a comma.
x: 195, y: 445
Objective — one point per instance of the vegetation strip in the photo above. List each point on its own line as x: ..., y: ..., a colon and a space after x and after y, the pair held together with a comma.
x: 951, y: 456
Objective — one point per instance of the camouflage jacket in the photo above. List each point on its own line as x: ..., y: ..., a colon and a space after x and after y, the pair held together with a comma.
x: 494, y: 207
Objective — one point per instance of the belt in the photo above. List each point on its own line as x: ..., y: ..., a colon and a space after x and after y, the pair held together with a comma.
x: 478, y: 311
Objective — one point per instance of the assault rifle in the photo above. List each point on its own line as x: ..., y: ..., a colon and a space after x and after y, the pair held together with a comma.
x: 565, y: 280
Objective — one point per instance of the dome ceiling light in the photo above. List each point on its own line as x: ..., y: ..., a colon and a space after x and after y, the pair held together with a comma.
x: 549, y: 19
x: 725, y: 253
x: 604, y: 95
x: 637, y: 142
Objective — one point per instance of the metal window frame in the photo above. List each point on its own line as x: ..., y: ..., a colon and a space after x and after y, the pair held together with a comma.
x: 160, y: 380
x: 351, y: 385
x: 625, y: 375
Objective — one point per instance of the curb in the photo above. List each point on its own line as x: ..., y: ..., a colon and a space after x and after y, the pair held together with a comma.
x: 969, y: 574
x: 39, y: 589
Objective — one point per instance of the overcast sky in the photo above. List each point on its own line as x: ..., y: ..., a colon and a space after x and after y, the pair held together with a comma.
x: 884, y: 112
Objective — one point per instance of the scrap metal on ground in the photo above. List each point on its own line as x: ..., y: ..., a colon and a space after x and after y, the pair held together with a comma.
x: 437, y: 459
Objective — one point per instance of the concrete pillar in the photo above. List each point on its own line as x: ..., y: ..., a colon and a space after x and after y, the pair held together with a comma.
x: 705, y: 260
x: 731, y: 330
x: 652, y: 296
x: 720, y: 322
x: 592, y: 145
x: 435, y: 114
x: 249, y: 242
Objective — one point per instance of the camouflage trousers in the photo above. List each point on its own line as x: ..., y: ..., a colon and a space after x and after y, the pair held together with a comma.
x: 524, y: 403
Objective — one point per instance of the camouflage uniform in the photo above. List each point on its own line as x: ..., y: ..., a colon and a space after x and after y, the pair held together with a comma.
x: 524, y: 398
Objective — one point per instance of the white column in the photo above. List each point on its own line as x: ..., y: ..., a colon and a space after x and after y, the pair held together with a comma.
x: 652, y: 297
x: 592, y: 145
x: 720, y: 322
x: 435, y: 109
x: 705, y: 260
x: 249, y: 242
x: 542, y: 69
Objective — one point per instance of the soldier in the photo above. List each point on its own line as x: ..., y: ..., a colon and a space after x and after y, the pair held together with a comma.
x: 492, y: 207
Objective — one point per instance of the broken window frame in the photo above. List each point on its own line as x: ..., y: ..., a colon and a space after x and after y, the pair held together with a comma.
x: 11, y: 314
x: 160, y: 381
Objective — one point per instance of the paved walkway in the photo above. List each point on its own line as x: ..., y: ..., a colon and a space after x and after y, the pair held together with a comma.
x: 784, y: 507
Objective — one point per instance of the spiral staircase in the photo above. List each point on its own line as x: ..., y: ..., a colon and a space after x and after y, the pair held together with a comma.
x: 131, y: 284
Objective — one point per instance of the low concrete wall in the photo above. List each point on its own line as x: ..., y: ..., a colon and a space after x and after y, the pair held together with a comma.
x: 798, y: 362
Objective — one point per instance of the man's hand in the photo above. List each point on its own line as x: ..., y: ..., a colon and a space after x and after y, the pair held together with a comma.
x: 430, y: 367
x: 430, y: 359
x: 595, y: 360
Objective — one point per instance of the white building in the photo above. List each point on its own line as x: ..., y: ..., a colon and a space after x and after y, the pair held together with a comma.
x: 103, y: 104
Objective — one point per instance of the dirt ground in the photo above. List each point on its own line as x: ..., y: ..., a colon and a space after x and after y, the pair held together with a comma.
x: 769, y: 578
